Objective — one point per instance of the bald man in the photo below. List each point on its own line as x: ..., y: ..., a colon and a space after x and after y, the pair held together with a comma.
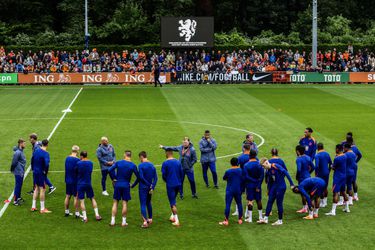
x: 106, y: 157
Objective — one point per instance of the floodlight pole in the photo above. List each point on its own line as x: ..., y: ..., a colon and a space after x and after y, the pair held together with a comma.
x: 87, y: 35
x: 314, y: 33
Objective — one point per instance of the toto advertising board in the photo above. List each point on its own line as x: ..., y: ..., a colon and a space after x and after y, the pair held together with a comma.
x: 185, y: 32
x: 304, y: 77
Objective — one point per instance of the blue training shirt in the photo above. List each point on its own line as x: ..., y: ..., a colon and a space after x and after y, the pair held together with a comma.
x: 339, y: 165
x: 309, y: 186
x: 243, y: 159
x: 84, y: 171
x: 310, y: 146
x: 278, y: 160
x: 70, y: 169
x: 323, y: 163
x: 305, y: 166
x: 40, y: 161
x: 276, y: 177
x: 351, y: 165
x: 124, y: 171
x: 171, y: 170
x: 148, y: 176
x: 234, y: 178
x: 254, y: 173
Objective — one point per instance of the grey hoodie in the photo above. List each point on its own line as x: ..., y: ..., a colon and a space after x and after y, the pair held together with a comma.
x: 188, y: 157
x: 18, y: 162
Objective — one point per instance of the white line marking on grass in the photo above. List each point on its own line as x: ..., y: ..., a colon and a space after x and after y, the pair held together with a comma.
x: 2, y: 211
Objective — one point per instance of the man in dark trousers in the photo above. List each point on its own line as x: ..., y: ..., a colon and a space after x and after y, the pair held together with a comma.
x: 156, y: 74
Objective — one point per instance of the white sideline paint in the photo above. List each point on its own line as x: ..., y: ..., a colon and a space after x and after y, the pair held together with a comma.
x: 2, y: 211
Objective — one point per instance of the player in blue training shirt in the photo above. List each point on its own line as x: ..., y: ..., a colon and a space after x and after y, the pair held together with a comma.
x: 35, y: 144
x: 188, y: 158
x: 305, y: 167
x: 148, y: 179
x: 276, y: 159
x: 242, y: 160
x: 358, y: 158
x: 171, y: 170
x: 312, y: 189
x: 208, y: 146
x: 323, y: 164
x: 84, y: 188
x: 40, y: 163
x: 71, y: 181
x: 277, y: 187
x: 351, y: 167
x: 245, y: 156
x: 309, y: 143
x: 123, y: 171
x: 348, y: 139
x: 254, y: 175
x: 339, y: 179
x: 234, y: 177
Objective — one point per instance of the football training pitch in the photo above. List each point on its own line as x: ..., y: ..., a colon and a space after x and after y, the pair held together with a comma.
x: 142, y: 117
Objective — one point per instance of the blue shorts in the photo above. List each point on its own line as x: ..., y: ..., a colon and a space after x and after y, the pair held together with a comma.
x: 349, y: 182
x: 71, y: 189
x: 40, y: 180
x: 252, y: 194
x: 85, y: 190
x: 172, y: 194
x: 317, y: 193
x: 122, y: 193
x: 338, y: 185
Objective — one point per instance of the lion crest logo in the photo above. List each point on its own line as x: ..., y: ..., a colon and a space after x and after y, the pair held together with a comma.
x: 187, y: 28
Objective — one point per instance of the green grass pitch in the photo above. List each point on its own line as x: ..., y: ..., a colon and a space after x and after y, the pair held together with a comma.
x: 141, y: 118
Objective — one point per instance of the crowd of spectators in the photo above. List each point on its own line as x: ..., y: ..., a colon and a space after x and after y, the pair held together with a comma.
x: 250, y: 60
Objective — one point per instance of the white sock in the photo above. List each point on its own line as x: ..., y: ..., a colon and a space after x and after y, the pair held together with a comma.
x: 311, y: 213
x: 124, y: 220
x: 305, y: 207
x: 280, y: 221
x: 113, y: 220
x: 250, y: 213
x: 341, y: 199
x: 350, y: 199
x: 84, y: 215
x: 96, y: 210
x: 66, y: 211
x: 265, y: 218
x: 347, y: 205
x: 316, y: 211
x: 260, y: 213
x: 356, y: 195
x: 325, y: 201
x: 176, y: 218
x: 42, y: 205
x: 237, y: 209
x: 77, y: 213
x: 34, y: 204
x: 172, y: 216
x: 334, y: 205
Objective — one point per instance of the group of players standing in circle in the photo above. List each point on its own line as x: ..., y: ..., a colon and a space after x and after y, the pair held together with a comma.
x: 248, y: 172
x: 246, y: 175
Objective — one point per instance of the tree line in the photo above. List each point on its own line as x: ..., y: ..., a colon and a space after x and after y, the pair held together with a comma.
x: 61, y: 22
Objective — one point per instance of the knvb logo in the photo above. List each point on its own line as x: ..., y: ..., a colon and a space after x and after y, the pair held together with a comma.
x: 187, y: 28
